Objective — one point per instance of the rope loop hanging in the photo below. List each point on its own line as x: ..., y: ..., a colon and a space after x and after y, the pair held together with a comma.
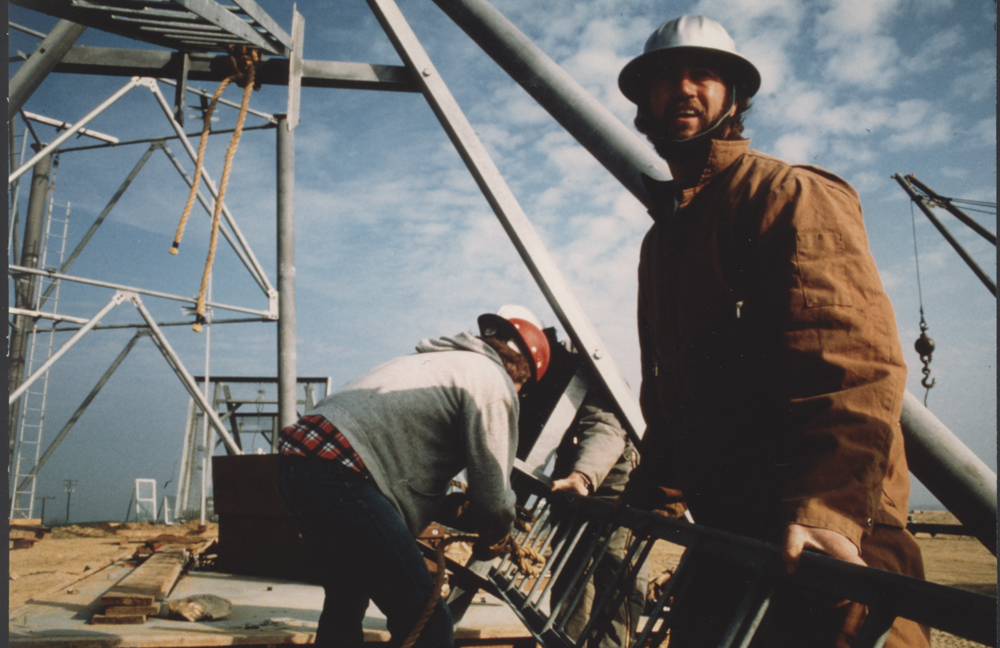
x: 244, y: 61
x: 528, y: 561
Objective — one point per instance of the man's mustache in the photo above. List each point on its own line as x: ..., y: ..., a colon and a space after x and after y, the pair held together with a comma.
x: 686, y: 105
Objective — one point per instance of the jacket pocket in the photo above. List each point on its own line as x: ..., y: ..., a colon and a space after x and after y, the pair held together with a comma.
x: 820, y: 256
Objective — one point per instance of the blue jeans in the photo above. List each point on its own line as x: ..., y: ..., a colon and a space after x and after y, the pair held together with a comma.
x: 362, y: 550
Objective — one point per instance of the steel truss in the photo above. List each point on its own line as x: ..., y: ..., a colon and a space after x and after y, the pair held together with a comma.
x: 573, y: 534
x: 629, y: 160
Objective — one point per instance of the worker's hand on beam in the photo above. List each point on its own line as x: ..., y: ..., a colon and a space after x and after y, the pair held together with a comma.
x: 799, y: 537
x: 576, y: 482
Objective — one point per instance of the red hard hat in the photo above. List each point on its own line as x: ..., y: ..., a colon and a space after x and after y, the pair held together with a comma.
x: 528, y: 335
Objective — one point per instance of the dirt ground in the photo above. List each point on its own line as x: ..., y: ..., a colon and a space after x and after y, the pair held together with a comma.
x: 69, y: 553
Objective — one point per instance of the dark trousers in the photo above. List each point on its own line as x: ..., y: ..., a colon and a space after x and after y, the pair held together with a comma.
x: 795, y: 619
x: 362, y: 551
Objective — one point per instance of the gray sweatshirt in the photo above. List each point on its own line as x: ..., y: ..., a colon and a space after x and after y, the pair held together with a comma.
x: 418, y: 420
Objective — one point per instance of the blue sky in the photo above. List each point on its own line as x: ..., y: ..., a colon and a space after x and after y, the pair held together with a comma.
x: 395, y: 242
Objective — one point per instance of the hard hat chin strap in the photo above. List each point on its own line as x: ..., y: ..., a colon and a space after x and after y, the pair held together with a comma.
x: 718, y: 122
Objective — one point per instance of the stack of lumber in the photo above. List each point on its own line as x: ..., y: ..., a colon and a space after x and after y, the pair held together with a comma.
x: 24, y: 533
x: 140, y: 594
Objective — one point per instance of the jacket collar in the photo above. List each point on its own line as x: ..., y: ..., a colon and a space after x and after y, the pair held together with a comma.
x: 664, y: 194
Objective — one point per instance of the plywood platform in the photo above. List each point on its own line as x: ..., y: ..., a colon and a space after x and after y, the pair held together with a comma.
x: 265, y: 612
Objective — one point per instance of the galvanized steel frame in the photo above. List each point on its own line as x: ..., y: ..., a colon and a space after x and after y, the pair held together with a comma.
x: 561, y: 524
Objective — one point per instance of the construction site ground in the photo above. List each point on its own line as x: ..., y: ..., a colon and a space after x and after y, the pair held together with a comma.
x: 67, y: 571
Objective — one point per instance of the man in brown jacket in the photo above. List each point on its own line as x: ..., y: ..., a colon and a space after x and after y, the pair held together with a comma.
x: 773, y: 376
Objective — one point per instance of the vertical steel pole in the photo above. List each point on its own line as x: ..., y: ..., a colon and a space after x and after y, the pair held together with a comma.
x: 287, y: 393
x: 45, y: 57
x: 25, y: 288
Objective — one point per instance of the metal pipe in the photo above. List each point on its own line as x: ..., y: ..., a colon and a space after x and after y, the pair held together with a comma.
x: 920, y: 200
x: 620, y: 150
x: 201, y: 93
x: 187, y: 452
x: 15, y: 159
x: 287, y: 359
x: 175, y: 362
x: 45, y: 57
x: 117, y: 299
x: 70, y: 132
x: 949, y: 470
x: 955, y: 211
x: 24, y: 289
x: 530, y: 247
x: 12, y: 269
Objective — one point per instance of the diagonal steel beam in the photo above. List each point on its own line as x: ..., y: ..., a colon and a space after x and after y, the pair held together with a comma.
x: 509, y: 212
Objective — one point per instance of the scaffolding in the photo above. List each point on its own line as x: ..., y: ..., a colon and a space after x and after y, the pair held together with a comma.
x: 195, y: 31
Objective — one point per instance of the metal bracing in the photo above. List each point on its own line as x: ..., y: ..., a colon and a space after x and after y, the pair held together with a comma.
x: 15, y: 270
x: 70, y: 132
x: 80, y: 410
x: 619, y: 149
x: 925, y: 205
x: 257, y: 271
x: 564, y: 526
x: 579, y: 523
x: 629, y: 159
x: 508, y: 211
x: 250, y: 405
x: 113, y: 61
x: 45, y: 57
x: 183, y: 25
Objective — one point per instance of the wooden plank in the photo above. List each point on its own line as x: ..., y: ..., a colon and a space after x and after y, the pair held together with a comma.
x: 155, y: 578
x: 132, y: 610
x: 27, y: 534
x: 115, y: 599
x: 102, y: 619
x: 25, y: 522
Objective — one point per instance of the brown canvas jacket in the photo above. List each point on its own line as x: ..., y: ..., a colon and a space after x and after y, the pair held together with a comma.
x: 772, y: 372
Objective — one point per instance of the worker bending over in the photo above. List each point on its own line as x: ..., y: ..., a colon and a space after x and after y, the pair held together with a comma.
x: 365, y: 471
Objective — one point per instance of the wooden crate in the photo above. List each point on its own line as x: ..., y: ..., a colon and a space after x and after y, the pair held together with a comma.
x: 256, y: 536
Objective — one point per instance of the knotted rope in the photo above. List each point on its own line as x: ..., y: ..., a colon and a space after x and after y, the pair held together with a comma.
x: 245, y: 61
x: 528, y: 561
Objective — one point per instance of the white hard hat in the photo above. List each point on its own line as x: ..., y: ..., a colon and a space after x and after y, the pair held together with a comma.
x: 508, y: 311
x: 687, y: 33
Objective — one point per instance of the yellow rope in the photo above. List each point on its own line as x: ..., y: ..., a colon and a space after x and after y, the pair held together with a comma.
x: 524, y: 556
x: 245, y: 62
x: 199, y: 164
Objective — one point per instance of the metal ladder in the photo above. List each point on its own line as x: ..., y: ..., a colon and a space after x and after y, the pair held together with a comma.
x: 33, y: 403
x: 566, y: 527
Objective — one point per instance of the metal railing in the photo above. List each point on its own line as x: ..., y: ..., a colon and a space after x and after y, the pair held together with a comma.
x: 565, y: 526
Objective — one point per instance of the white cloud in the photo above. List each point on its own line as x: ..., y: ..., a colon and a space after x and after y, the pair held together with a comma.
x: 868, y: 63
x: 933, y: 53
x: 799, y: 148
x: 854, y: 18
x: 919, y: 130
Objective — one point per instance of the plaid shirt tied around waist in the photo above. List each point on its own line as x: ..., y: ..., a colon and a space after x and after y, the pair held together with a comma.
x: 314, y: 436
